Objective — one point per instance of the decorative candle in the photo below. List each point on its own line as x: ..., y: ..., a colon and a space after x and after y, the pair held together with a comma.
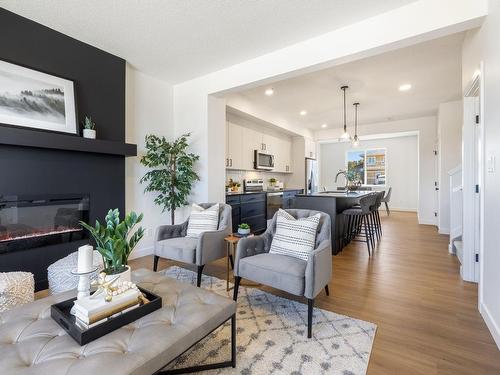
x: 85, y: 258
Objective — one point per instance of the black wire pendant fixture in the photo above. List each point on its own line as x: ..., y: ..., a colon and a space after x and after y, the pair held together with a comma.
x: 355, y: 140
x: 345, y: 136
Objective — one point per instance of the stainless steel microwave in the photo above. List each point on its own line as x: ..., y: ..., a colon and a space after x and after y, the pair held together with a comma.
x: 263, y: 160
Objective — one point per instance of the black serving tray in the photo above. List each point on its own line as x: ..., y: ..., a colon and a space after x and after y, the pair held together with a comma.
x: 60, y: 312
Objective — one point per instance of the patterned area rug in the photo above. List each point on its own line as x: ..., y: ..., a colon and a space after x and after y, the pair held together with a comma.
x: 272, y: 336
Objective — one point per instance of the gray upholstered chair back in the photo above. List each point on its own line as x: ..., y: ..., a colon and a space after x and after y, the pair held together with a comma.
x: 323, y: 231
x: 387, y: 198
x: 367, y: 203
x: 224, y: 214
x: 380, y: 196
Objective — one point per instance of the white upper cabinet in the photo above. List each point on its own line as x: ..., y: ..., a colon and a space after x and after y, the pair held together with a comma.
x: 310, y: 148
x: 282, y: 151
x: 269, y: 143
x: 241, y: 143
x: 252, y: 140
x: 234, y: 155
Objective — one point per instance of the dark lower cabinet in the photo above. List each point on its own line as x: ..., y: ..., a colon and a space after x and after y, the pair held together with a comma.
x: 289, y: 198
x: 249, y: 209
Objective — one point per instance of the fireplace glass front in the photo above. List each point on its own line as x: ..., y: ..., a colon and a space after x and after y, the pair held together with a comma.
x: 34, y: 221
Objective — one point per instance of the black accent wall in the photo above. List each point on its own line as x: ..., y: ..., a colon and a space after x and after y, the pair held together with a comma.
x: 100, y: 92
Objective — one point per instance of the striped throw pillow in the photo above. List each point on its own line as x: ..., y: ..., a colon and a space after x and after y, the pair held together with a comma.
x: 294, y: 237
x: 202, y: 220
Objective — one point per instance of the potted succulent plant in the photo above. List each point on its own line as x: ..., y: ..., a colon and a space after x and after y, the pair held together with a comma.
x: 89, y: 128
x: 114, y: 241
x: 244, y: 229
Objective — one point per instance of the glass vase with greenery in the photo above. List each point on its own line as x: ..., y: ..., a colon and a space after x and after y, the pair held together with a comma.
x: 113, y: 239
x: 171, y: 173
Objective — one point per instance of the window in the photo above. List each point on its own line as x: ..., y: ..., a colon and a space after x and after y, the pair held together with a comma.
x: 368, y: 166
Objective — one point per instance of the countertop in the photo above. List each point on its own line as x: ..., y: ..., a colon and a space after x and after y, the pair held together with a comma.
x: 338, y: 194
x: 260, y: 192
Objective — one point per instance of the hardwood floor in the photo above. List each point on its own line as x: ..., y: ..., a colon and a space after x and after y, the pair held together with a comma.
x: 427, y: 317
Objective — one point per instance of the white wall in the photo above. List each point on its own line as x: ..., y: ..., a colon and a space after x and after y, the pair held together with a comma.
x: 148, y: 111
x: 426, y: 128
x: 416, y: 22
x: 449, y: 155
x: 483, y: 45
x: 401, y: 167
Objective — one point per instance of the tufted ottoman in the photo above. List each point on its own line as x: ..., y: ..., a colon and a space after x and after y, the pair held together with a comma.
x: 32, y: 343
x: 59, y: 273
x: 16, y: 288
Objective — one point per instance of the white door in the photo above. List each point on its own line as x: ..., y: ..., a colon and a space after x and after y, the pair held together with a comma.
x: 478, y: 161
x: 471, y: 184
x: 436, y: 183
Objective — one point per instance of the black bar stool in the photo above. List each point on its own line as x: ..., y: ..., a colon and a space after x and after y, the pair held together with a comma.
x: 375, y: 217
x: 358, y: 223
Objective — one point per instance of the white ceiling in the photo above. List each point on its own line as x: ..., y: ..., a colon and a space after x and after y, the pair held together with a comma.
x: 177, y: 40
x: 433, y: 68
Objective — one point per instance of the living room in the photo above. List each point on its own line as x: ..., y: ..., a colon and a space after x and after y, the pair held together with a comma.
x: 136, y: 78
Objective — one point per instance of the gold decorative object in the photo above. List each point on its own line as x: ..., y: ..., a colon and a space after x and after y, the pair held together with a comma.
x: 111, y: 289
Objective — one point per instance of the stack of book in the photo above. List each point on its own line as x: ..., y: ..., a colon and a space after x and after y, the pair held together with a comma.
x: 91, y: 311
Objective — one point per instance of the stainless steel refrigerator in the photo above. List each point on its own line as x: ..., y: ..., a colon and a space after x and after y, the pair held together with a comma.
x: 311, y: 182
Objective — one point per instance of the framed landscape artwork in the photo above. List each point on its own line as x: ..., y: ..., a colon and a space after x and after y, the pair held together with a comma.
x: 33, y: 99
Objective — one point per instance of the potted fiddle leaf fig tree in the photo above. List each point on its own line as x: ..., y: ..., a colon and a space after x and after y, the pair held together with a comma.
x: 171, y: 173
x: 115, y: 241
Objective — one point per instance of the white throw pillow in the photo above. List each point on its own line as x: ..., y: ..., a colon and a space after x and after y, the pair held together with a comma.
x: 202, y: 220
x: 294, y: 237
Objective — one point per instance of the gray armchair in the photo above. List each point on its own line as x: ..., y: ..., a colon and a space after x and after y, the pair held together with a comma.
x: 171, y: 242
x: 296, y: 276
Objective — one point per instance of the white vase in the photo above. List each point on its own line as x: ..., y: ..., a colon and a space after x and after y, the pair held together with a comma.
x: 243, y: 231
x: 123, y: 276
x: 89, y: 133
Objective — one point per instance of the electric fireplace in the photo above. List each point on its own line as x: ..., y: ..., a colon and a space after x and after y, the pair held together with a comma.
x: 35, y: 221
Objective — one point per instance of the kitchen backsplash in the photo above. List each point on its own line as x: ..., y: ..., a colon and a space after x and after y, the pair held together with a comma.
x: 239, y: 176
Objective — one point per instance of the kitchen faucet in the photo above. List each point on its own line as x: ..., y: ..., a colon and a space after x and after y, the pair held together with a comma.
x: 343, y: 173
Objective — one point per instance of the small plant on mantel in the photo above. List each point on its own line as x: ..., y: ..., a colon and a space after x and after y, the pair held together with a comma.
x: 89, y: 128
x: 172, y: 173
x: 113, y: 239
x: 88, y: 123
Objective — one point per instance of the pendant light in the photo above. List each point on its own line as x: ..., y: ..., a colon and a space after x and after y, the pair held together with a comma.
x: 355, y: 140
x: 345, y: 136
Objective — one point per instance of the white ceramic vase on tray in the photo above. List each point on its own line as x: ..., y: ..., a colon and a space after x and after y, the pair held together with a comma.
x: 122, y: 276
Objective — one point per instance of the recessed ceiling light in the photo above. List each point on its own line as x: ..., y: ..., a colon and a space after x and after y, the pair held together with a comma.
x: 405, y: 87
x: 269, y: 91
x: 303, y: 112
x: 324, y: 125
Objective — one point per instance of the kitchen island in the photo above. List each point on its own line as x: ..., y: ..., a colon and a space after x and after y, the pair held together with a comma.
x: 332, y: 203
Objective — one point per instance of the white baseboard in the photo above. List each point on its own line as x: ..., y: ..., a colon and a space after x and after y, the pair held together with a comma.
x: 490, y: 322
x: 141, y: 252
x: 402, y: 209
x: 444, y: 231
x: 427, y: 221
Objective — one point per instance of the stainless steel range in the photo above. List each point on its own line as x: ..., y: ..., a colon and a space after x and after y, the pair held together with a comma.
x: 254, y: 185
